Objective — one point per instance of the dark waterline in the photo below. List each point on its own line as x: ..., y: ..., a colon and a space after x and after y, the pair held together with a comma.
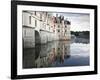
x: 56, y: 54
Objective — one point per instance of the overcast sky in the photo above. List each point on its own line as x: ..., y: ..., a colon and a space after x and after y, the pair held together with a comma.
x: 79, y: 21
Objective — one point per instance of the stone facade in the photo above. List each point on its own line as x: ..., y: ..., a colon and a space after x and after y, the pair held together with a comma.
x: 28, y: 33
x: 62, y: 28
x: 42, y: 27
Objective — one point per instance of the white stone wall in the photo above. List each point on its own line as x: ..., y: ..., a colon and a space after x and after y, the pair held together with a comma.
x: 28, y: 30
x: 36, y: 20
x: 25, y: 19
x: 68, y: 32
x: 28, y: 37
x: 43, y: 35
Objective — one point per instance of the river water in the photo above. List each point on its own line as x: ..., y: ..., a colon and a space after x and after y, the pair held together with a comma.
x: 57, y: 54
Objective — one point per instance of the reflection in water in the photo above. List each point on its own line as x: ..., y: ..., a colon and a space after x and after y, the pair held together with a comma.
x: 56, y: 54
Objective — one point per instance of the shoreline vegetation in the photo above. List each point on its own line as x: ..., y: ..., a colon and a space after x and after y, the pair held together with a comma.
x: 80, y: 36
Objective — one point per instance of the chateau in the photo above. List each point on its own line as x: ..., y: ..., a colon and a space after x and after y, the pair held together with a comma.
x: 41, y: 27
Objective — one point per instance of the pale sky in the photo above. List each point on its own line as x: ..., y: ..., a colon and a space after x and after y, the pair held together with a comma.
x: 79, y: 21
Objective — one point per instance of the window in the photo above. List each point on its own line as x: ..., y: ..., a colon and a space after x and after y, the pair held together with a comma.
x: 65, y: 26
x: 58, y: 26
x: 54, y: 26
x: 58, y: 30
x: 29, y: 19
x: 58, y: 49
x: 35, y: 12
x: 35, y: 23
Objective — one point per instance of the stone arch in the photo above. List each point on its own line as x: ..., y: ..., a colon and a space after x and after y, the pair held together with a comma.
x: 37, y: 38
x: 37, y: 44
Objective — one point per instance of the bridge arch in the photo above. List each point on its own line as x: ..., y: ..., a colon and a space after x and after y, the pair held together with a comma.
x: 37, y: 37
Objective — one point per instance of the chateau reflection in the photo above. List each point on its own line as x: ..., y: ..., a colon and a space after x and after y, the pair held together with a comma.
x: 46, y: 55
